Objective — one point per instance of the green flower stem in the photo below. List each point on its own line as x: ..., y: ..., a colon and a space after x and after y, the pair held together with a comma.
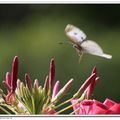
x: 70, y: 106
x: 64, y: 109
x: 63, y: 103
x: 1, y: 108
x: 72, y: 113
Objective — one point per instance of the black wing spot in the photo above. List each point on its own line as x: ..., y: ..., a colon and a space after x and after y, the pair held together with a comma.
x: 82, y: 38
x: 75, y: 33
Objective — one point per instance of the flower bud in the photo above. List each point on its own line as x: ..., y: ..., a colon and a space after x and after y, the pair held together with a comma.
x: 62, y: 92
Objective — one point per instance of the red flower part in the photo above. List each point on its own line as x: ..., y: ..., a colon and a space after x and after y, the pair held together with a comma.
x: 8, y: 79
x: 46, y: 84
x: 109, y: 102
x: 114, y: 108
x: 10, y: 98
x: 89, y: 90
x: 7, y: 82
x: 99, y: 108
x: 14, y: 74
x: 95, y: 107
x: 62, y: 91
x: 91, y: 87
x: 52, y: 74
x: 11, y: 82
x: 49, y: 111
x: 93, y: 83
x: 90, y: 107
x: 55, y: 89
x: 76, y: 106
x: 28, y: 81
x: 94, y: 71
x: 85, y: 85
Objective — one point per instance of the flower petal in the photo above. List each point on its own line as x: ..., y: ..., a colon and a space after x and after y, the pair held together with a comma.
x: 115, y: 109
x: 75, y: 106
x: 109, y: 103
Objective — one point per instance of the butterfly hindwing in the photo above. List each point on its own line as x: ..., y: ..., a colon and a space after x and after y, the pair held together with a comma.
x: 93, y: 48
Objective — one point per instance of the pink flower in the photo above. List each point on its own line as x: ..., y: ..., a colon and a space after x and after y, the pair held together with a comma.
x: 94, y: 107
x: 87, y: 106
x: 11, y: 82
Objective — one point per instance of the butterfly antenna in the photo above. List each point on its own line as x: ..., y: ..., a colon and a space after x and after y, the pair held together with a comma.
x: 61, y: 43
x: 65, y: 42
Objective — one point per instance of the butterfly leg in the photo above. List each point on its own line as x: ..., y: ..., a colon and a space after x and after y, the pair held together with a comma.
x: 80, y: 56
x: 79, y: 51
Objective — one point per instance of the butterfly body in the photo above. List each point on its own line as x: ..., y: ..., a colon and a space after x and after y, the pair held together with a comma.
x: 78, y: 38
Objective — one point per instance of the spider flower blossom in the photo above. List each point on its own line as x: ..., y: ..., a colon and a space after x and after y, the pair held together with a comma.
x: 89, y: 106
x: 28, y: 97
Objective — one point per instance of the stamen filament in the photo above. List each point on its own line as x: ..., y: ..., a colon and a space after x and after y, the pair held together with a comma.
x: 63, y: 103
x: 69, y: 106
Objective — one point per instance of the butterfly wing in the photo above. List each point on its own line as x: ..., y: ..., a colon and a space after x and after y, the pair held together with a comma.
x: 93, y: 48
x: 75, y: 34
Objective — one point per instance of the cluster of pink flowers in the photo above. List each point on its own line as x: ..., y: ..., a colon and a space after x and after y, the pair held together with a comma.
x: 91, y: 106
x: 94, y: 107
x: 31, y: 98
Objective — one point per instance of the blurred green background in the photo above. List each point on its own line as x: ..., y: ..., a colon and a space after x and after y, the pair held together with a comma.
x: 33, y: 33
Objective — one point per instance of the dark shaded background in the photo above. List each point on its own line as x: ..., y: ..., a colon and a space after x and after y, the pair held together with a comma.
x: 33, y: 32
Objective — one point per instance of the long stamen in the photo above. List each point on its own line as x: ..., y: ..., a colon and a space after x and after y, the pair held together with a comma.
x: 84, y: 86
x: 63, y: 103
x: 70, y: 106
x: 75, y: 111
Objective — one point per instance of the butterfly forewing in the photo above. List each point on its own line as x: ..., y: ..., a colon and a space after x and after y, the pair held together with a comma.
x: 75, y: 34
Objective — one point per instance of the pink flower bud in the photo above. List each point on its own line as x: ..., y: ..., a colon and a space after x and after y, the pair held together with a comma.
x: 52, y: 74
x: 55, y: 89
x: 46, y: 84
x: 28, y: 81
x: 14, y: 74
x: 85, y: 85
x: 62, y: 92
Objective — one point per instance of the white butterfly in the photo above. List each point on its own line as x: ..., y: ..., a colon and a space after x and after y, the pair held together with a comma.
x: 78, y: 38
